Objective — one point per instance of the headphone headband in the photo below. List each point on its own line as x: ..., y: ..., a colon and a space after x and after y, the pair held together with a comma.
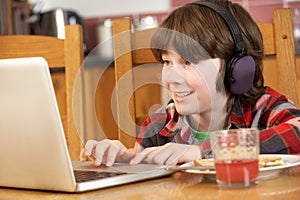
x: 231, y: 24
x: 240, y: 69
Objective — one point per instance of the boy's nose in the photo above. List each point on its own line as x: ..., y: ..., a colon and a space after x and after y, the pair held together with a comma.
x: 175, y: 75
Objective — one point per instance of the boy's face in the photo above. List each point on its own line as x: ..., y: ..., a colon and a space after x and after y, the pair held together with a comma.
x: 191, y: 86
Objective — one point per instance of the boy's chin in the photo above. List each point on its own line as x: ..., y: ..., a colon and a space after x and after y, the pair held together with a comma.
x: 183, y: 111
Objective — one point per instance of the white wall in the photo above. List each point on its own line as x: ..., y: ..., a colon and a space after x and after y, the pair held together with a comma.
x: 96, y: 8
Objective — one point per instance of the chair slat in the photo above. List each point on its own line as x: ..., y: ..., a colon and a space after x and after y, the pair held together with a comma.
x: 67, y: 54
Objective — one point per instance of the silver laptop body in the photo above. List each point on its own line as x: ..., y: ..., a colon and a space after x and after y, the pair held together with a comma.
x: 34, y: 152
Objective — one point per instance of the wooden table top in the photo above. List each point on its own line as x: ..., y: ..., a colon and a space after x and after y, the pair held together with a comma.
x: 178, y: 186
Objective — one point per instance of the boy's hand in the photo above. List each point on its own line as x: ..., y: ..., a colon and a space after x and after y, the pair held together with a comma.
x: 106, y: 152
x: 168, y: 154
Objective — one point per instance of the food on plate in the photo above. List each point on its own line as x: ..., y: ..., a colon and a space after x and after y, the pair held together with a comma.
x: 264, y: 161
x: 204, y: 162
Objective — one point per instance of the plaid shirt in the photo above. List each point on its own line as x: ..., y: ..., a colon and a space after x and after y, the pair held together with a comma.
x: 273, y: 114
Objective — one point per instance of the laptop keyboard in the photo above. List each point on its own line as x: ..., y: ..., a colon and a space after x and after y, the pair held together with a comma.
x: 84, y: 176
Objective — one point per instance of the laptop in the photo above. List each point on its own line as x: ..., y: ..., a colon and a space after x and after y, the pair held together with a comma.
x: 34, y: 153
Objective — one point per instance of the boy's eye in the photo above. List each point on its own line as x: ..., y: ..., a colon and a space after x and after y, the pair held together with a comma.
x: 187, y: 63
x: 166, y: 62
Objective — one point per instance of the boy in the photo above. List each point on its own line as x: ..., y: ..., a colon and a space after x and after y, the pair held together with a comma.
x: 211, y: 51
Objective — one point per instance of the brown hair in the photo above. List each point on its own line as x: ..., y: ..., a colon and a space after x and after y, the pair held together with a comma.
x: 196, y: 32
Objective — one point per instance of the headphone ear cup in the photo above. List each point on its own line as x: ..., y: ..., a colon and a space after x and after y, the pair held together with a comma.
x: 241, y: 75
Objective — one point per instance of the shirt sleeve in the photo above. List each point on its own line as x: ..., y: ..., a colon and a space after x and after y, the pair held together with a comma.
x: 283, y: 136
x: 159, y: 128
x: 149, y: 134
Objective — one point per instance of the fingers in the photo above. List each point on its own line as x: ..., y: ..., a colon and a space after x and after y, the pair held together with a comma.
x: 165, y: 155
x: 143, y: 155
x: 99, y: 152
x: 126, y: 156
x: 180, y: 154
x: 89, y: 147
x: 173, y: 159
x: 187, y: 153
x: 87, y: 151
x: 102, y: 152
x: 159, y: 156
x: 107, y: 152
x: 112, y: 154
x: 168, y: 154
x: 155, y: 155
x: 82, y: 156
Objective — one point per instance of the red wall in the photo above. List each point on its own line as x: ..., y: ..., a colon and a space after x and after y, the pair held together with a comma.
x: 261, y: 10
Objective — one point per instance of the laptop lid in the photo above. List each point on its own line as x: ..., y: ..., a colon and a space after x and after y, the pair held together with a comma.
x: 35, y: 154
x: 31, y: 132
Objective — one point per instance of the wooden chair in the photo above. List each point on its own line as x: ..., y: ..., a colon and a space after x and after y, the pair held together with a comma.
x: 132, y: 48
x: 280, y: 60
x: 62, y: 55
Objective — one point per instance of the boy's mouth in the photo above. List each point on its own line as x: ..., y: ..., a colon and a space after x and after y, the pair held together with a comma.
x: 182, y: 94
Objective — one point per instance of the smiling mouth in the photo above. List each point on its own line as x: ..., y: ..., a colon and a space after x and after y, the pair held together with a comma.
x: 182, y: 94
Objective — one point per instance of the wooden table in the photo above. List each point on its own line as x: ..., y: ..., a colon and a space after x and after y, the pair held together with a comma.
x: 178, y: 186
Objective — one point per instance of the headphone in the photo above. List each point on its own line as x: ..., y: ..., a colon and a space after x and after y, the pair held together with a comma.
x: 240, y: 69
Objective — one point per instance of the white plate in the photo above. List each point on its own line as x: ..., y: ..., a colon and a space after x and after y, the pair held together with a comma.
x: 264, y: 172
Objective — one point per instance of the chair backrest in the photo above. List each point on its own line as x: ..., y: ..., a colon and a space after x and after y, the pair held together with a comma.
x: 133, y: 48
x: 280, y: 59
x: 62, y: 55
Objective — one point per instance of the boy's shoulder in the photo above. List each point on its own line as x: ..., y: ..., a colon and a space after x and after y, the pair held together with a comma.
x: 274, y: 95
x: 272, y: 92
x: 272, y: 99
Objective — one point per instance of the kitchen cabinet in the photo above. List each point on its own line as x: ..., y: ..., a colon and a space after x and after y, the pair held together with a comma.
x: 15, y: 17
